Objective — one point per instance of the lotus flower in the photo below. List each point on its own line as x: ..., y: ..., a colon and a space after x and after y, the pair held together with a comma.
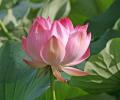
x: 57, y: 44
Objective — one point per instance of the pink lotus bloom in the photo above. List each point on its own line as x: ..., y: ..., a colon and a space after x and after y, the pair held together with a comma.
x: 57, y: 44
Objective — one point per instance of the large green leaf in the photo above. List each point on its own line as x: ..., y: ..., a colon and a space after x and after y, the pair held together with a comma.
x: 100, y: 44
x: 17, y: 80
x: 102, y: 27
x: 82, y: 10
x: 62, y: 92
x: 95, y: 97
x: 105, y: 70
x: 100, y: 24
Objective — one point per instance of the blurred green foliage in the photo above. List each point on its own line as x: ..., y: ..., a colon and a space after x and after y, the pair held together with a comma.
x: 20, y: 82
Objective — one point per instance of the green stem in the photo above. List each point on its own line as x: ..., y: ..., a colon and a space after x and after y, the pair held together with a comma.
x: 5, y: 30
x: 52, y: 85
x: 8, y: 35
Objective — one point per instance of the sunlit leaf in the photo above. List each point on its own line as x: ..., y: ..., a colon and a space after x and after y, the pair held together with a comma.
x: 105, y: 70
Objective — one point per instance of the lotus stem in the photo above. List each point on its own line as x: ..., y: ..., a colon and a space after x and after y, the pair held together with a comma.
x: 52, y: 85
x: 7, y: 34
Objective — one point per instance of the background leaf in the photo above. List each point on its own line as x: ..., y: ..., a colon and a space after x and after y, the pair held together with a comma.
x: 95, y: 97
x: 100, y: 44
x: 52, y: 9
x: 81, y: 10
x: 63, y: 91
x: 100, y: 24
x: 105, y: 68
x: 17, y: 80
